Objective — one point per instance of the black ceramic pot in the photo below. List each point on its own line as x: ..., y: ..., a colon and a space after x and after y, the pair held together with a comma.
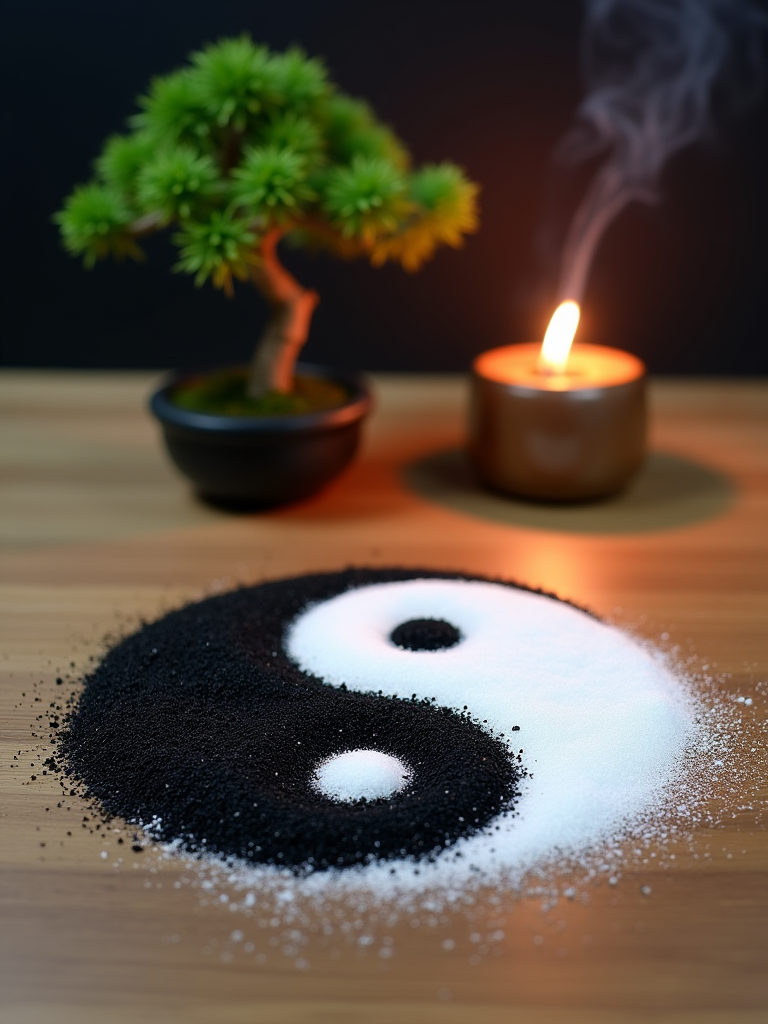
x: 260, y: 461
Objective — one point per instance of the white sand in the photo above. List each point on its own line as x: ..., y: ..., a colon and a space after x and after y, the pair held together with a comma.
x: 602, y: 722
x: 361, y: 774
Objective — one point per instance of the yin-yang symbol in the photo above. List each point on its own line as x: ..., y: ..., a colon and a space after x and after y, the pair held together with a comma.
x: 369, y: 716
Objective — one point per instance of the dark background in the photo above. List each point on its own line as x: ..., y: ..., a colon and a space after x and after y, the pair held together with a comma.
x: 490, y: 85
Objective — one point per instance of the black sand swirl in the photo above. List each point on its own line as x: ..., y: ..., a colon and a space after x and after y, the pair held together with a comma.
x: 201, y: 721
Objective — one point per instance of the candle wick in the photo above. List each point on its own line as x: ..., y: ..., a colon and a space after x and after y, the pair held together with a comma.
x: 543, y: 370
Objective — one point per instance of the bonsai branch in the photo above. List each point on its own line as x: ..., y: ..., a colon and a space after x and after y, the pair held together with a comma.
x: 146, y: 225
x: 287, y: 329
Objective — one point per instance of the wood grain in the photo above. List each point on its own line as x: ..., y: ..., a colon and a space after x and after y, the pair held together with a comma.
x: 97, y: 531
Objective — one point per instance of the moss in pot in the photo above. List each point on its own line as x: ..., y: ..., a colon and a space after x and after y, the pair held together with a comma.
x: 234, y: 152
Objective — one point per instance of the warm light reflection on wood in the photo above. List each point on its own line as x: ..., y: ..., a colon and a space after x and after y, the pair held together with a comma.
x: 560, y: 565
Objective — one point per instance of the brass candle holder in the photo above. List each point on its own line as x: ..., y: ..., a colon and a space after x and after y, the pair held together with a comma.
x: 561, y: 430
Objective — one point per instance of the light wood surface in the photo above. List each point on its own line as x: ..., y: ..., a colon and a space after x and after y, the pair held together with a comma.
x: 97, y: 531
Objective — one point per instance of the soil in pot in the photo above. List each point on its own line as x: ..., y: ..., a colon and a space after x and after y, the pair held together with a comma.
x: 224, y: 393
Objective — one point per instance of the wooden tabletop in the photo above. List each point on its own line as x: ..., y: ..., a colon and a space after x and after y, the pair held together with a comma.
x: 98, y: 531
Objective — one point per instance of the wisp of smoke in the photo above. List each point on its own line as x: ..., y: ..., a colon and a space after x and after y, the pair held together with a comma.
x: 652, y: 69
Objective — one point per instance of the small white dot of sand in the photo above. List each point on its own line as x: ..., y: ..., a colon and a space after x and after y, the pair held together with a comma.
x: 361, y: 774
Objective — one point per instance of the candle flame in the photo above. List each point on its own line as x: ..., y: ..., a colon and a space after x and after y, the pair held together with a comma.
x: 559, y: 338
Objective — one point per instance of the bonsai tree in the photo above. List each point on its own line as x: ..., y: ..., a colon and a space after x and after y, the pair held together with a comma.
x: 243, y: 147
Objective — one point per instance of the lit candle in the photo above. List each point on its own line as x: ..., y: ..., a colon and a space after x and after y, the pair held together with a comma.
x: 557, y: 422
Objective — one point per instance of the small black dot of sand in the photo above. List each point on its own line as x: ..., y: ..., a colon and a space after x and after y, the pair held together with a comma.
x: 425, y: 635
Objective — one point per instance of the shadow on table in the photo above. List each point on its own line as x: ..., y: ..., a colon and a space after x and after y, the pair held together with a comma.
x: 669, y: 491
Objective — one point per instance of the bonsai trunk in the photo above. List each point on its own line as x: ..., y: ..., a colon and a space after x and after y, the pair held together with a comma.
x: 291, y: 308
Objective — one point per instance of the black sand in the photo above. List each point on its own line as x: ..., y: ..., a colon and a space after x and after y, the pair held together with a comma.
x: 201, y: 721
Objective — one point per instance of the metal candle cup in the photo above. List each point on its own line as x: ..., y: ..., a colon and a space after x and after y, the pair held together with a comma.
x: 564, y: 436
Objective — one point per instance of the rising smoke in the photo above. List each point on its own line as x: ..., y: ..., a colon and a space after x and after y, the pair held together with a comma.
x: 654, y: 71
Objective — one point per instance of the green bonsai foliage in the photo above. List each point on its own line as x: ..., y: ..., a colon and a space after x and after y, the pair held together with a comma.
x: 243, y: 147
